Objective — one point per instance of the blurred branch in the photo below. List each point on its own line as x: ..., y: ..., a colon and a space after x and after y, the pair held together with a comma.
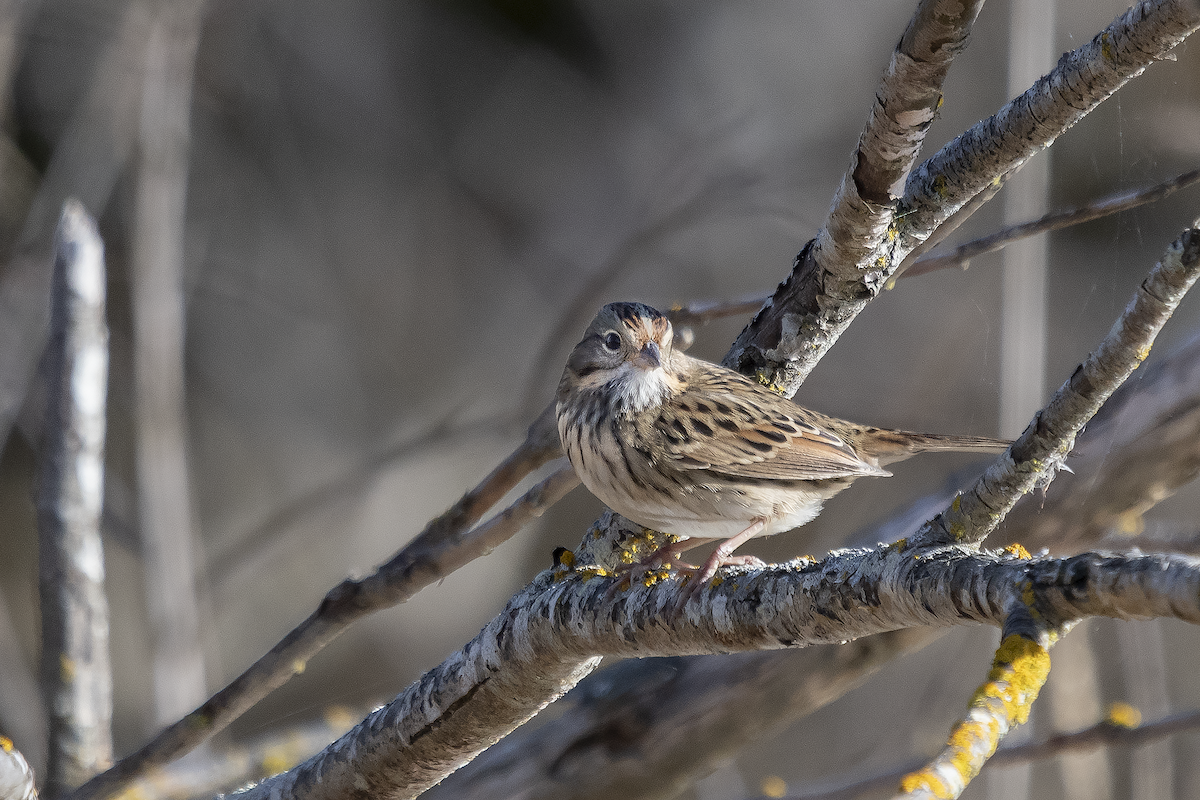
x: 87, y: 159
x: 164, y: 495
x: 248, y: 553
x: 1107, y: 733
x: 75, y: 671
x: 823, y: 294
x: 442, y: 547
x: 16, y: 777
x: 961, y: 255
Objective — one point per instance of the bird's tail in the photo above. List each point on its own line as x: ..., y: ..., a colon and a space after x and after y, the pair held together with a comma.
x: 887, y: 446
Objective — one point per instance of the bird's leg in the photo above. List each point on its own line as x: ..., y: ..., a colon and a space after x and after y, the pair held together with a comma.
x: 723, y: 556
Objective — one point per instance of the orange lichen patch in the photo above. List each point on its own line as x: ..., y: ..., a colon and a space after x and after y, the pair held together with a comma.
x: 1018, y: 673
x: 1016, y: 550
x: 1123, y: 715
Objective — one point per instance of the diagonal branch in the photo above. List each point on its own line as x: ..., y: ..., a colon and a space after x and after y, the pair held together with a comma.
x: 823, y: 294
x: 1038, y: 454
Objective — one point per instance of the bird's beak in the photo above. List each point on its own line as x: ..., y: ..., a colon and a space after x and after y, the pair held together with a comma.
x: 648, y: 357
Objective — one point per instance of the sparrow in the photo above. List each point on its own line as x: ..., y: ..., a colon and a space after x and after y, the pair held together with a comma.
x: 693, y: 449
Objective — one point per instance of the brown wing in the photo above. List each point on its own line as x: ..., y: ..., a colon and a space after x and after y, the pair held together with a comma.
x: 725, y: 423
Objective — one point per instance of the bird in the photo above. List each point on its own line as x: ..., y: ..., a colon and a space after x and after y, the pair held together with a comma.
x: 693, y: 449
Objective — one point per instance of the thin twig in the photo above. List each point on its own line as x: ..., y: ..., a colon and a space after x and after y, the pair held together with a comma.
x: 701, y: 312
x: 75, y: 670
x: 960, y: 256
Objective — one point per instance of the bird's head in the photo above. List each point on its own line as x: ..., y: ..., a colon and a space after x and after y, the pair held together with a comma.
x: 627, y: 353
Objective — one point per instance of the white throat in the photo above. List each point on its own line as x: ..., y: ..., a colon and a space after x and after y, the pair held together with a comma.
x: 640, y: 389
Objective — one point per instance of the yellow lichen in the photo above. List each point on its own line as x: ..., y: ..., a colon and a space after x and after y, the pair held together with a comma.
x: 298, y: 666
x: 6, y: 744
x: 566, y: 558
x: 1017, y: 675
x: 1016, y: 550
x: 66, y: 668
x: 1123, y: 715
x: 925, y: 779
x: 939, y: 185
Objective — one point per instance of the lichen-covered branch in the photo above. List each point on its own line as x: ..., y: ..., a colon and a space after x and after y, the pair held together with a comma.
x: 1139, y: 449
x: 1114, y: 731
x: 75, y: 671
x: 552, y: 633
x: 1039, y: 452
x: 821, y: 297
x: 1018, y: 673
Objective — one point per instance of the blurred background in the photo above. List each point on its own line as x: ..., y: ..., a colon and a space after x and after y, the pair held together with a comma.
x: 384, y: 224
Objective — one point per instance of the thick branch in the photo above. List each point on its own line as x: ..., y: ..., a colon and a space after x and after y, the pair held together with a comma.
x: 552, y: 633
x: 75, y: 671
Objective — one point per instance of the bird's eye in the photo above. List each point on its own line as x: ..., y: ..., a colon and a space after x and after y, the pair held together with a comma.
x: 612, y: 341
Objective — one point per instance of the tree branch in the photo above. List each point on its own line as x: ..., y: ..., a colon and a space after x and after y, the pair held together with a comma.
x: 552, y: 633
x: 1035, y: 457
x: 75, y: 671
x: 821, y: 297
